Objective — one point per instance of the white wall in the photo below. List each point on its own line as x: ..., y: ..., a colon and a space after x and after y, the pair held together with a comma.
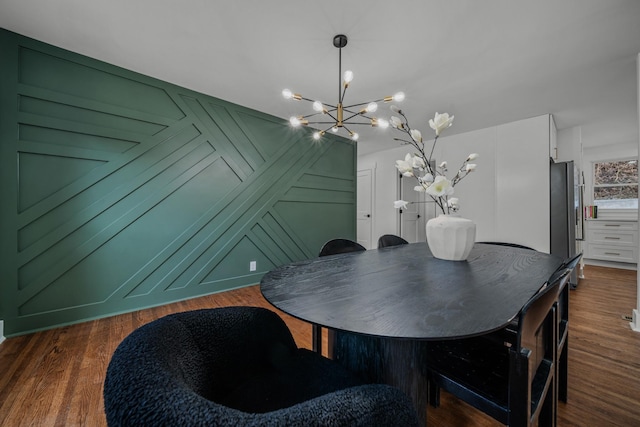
x: 570, y: 145
x: 477, y: 193
x: 505, y: 203
x: 385, y: 181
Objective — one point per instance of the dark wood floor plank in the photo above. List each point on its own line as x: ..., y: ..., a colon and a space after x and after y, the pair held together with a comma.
x: 55, y: 378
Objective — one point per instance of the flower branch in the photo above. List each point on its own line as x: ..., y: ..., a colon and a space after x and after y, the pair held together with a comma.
x: 431, y: 180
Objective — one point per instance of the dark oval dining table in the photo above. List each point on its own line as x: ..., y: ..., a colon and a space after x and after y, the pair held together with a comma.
x: 386, y: 304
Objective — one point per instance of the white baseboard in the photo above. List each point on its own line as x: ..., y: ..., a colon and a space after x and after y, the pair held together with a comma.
x: 1, y: 331
x: 611, y: 264
x: 635, y: 324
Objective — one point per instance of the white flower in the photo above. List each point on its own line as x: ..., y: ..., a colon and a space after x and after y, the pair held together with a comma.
x: 472, y: 156
x: 396, y: 122
x: 440, y: 122
x: 440, y: 187
x: 395, y: 109
x: 419, y: 188
x: 427, y: 178
x: 416, y: 135
x: 405, y: 166
x: 470, y: 167
x: 400, y: 204
x: 452, y: 203
x: 418, y: 162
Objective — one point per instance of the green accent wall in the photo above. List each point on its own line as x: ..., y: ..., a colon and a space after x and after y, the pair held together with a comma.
x: 119, y: 191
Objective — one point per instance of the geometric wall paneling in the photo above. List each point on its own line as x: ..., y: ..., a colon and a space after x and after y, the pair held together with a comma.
x: 230, y: 268
x: 119, y: 191
x: 305, y: 220
x: 52, y: 172
x: 91, y: 82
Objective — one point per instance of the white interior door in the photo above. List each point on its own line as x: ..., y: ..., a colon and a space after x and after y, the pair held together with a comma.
x: 414, y: 217
x: 364, y: 206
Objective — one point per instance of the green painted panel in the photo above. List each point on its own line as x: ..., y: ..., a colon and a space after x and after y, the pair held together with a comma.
x: 65, y: 73
x: 119, y: 191
x: 250, y: 122
x: 235, y: 263
x: 316, y: 225
x: 82, y: 200
x: 121, y: 214
x: 64, y: 138
x: 110, y: 266
x: 42, y: 175
x: 340, y: 163
x: 67, y: 113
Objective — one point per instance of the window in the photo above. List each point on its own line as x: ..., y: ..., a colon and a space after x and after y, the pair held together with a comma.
x: 615, y: 184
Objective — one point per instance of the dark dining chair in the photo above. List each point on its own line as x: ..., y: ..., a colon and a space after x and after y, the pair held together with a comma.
x: 511, y: 245
x: 512, y: 383
x: 562, y: 365
x: 332, y: 247
x: 563, y: 325
x: 390, y: 240
x: 340, y: 246
x: 237, y: 366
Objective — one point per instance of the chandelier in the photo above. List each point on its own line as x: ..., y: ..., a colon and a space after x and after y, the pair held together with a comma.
x: 339, y: 116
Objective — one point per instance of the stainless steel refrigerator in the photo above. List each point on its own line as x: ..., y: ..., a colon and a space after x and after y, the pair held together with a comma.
x: 565, y: 205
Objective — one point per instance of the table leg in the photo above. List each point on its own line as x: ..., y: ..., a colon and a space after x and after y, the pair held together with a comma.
x: 400, y: 363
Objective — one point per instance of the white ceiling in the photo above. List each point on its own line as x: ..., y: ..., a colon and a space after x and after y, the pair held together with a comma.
x: 485, y: 61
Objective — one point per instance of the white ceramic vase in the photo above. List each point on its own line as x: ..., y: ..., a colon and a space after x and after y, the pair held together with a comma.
x: 451, y: 237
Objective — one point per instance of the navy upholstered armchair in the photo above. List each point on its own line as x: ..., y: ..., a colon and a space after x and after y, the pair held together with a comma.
x: 237, y: 366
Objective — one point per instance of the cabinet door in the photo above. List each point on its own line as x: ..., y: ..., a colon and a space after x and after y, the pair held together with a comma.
x: 522, y: 183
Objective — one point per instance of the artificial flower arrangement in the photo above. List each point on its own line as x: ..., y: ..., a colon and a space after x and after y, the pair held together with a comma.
x: 431, y: 180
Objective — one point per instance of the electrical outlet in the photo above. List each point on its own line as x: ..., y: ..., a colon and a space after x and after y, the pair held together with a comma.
x: 252, y: 266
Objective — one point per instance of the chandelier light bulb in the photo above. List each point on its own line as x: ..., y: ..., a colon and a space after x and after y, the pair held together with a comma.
x: 317, y: 106
x: 383, y: 124
x: 295, y: 122
x: 287, y: 94
x: 348, y: 76
x: 316, y: 135
x: 398, y: 97
x: 334, y: 129
x: 355, y: 136
x: 372, y: 107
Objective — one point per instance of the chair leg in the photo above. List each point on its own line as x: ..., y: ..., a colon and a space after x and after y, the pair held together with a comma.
x: 563, y: 373
x: 548, y: 417
x: 316, y: 338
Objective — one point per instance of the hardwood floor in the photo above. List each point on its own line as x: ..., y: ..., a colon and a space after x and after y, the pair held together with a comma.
x: 55, y: 377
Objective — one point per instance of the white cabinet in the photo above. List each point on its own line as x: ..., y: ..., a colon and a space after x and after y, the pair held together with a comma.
x: 609, y: 240
x: 522, y: 183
